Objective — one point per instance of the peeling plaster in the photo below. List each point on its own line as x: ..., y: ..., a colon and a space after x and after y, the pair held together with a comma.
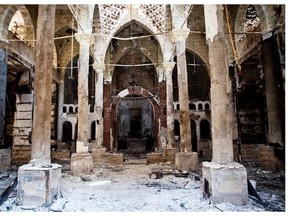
x: 210, y: 12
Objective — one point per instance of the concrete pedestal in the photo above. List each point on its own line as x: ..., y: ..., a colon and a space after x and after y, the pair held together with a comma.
x: 185, y: 161
x: 225, y: 183
x: 38, y: 185
x: 5, y: 159
x: 81, y: 163
x: 170, y: 154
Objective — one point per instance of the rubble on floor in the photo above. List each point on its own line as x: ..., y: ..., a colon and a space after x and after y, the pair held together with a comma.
x: 136, y: 187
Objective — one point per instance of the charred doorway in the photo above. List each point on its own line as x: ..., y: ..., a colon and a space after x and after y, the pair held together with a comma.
x: 135, y: 124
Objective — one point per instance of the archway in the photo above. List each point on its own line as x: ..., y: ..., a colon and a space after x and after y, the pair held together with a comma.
x: 135, y: 115
x: 67, y: 132
x: 205, y: 129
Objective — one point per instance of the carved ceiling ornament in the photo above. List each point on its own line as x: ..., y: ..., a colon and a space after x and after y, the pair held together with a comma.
x: 155, y: 14
x: 109, y: 16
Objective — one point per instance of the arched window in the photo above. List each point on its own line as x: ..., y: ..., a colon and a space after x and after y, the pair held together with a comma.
x: 64, y: 109
x: 205, y: 129
x: 177, y: 128
x: 67, y: 131
x: 70, y: 109
x: 200, y: 106
x: 178, y: 106
x: 192, y: 107
x: 207, y: 107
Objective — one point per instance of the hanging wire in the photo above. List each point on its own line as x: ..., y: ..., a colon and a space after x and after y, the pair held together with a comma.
x: 72, y: 52
x: 236, y: 57
x: 76, y: 18
x: 193, y: 44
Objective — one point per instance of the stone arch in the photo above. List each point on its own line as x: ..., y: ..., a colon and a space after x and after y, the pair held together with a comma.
x: 250, y: 41
x: 63, y: 46
x: 142, y: 93
x: 124, y: 23
x: 29, y: 25
x: 198, y: 78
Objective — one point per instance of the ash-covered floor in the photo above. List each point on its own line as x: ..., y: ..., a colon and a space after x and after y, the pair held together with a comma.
x: 138, y: 187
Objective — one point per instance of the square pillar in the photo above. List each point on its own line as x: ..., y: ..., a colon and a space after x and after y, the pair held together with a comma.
x: 225, y: 183
x: 186, y: 161
x: 38, y: 185
x: 81, y: 163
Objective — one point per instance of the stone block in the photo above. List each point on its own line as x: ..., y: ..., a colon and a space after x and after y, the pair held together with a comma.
x: 60, y: 155
x: 5, y: 159
x: 155, y: 158
x: 23, y: 115
x: 267, y: 159
x: 170, y: 154
x: 81, y: 163
x: 225, y: 183
x: 21, y: 154
x: 23, y: 123
x: 113, y: 159
x: 24, y: 98
x: 185, y: 161
x: 38, y: 185
x: 24, y: 107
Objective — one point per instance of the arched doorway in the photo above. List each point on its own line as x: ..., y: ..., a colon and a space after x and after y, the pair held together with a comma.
x: 135, y: 124
x: 193, y: 135
x: 67, y: 132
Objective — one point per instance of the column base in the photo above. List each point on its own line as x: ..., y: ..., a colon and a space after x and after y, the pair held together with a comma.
x: 154, y: 158
x: 225, y: 183
x: 81, y: 163
x: 38, y: 185
x: 185, y: 161
x: 170, y: 154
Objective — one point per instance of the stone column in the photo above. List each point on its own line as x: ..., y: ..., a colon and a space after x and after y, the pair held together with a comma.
x: 84, y: 39
x: 169, y: 150
x: 107, y: 122
x: 60, y: 113
x: 223, y: 179
x: 273, y: 109
x: 186, y: 159
x: 82, y: 161
x: 99, y: 69
x: 3, y: 86
x: 168, y: 67
x: 39, y: 181
x: 161, y: 121
x: 40, y: 153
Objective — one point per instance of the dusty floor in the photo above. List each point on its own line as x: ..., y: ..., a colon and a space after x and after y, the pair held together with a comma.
x: 135, y: 187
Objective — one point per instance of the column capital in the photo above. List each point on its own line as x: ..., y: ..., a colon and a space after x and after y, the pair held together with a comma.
x: 168, y: 66
x: 179, y: 34
x: 84, y: 37
x: 99, y: 67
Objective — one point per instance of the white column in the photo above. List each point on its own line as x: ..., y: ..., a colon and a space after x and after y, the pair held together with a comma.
x: 99, y: 69
x: 84, y: 39
x: 60, y: 112
x: 168, y: 67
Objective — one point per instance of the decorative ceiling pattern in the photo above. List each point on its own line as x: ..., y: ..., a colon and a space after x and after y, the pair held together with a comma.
x: 156, y: 14
x: 109, y: 16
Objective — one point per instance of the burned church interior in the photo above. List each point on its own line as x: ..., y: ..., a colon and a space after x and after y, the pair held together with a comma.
x: 190, y: 91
